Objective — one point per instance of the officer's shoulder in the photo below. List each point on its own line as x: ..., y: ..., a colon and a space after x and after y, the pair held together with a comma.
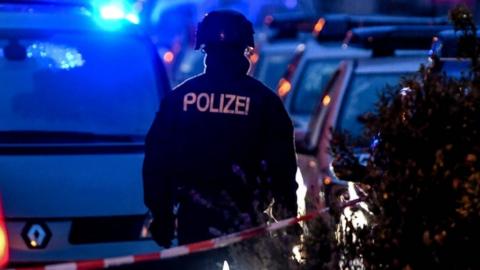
x: 185, y: 86
x: 188, y: 83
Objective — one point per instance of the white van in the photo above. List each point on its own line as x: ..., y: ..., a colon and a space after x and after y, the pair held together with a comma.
x: 78, y: 92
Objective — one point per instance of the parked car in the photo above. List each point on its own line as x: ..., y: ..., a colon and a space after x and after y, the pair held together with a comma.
x: 80, y: 89
x: 284, y: 34
x: 353, y: 90
x: 308, y: 74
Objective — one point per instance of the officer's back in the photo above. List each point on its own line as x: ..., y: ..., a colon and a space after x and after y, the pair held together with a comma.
x: 215, y: 134
x: 220, y: 123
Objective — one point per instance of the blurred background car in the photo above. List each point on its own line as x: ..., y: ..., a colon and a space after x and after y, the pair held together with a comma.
x: 80, y: 87
x: 282, y: 35
x: 172, y: 23
x: 304, y: 81
x: 352, y: 92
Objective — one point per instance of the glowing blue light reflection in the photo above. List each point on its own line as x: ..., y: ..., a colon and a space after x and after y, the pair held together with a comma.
x: 56, y: 56
x: 133, y: 18
x: 375, y: 142
x: 113, y: 12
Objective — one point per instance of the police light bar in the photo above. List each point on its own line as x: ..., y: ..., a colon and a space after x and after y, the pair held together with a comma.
x: 384, y: 40
x: 334, y: 26
x: 118, y: 10
x: 289, y: 25
x: 108, y: 10
x: 446, y: 45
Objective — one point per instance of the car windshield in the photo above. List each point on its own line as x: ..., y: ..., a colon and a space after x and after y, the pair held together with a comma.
x: 311, y: 85
x: 272, y: 67
x: 361, y: 96
x: 73, y: 82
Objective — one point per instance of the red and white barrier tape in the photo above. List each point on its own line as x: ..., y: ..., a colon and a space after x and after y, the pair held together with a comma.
x: 187, y: 249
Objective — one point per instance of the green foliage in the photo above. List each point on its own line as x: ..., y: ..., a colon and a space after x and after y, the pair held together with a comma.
x: 423, y: 177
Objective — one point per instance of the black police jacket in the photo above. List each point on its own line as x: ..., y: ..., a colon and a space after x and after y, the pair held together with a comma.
x: 215, y: 132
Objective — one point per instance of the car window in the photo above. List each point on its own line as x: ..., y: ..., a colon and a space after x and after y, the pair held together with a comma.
x: 311, y: 85
x: 104, y: 84
x: 272, y: 68
x: 361, y: 97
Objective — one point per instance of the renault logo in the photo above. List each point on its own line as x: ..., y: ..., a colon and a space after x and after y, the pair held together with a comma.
x: 36, y: 235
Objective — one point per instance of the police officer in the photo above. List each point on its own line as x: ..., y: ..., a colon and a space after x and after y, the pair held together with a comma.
x: 217, y: 138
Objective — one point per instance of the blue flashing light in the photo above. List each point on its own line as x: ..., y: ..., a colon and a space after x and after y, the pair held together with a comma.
x: 114, y: 11
x: 375, y: 142
x: 133, y: 18
x: 113, y: 14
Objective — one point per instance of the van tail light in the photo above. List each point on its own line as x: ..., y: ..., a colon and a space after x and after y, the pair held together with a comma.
x: 4, y: 256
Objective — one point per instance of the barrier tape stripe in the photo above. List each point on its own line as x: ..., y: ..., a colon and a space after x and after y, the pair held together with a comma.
x: 205, y: 245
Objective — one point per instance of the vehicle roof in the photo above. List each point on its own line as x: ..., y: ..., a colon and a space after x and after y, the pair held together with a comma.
x: 288, y: 26
x: 49, y: 2
x: 368, y: 20
x: 362, y: 40
x: 49, y: 15
x: 386, y: 39
x: 391, y: 64
x: 336, y: 25
x: 332, y: 49
x: 296, y: 20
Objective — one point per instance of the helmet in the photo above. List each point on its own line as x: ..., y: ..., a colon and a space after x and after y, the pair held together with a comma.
x: 224, y: 27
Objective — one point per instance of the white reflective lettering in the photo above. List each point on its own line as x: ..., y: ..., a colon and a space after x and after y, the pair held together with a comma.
x: 188, y: 99
x: 212, y: 101
x: 200, y: 107
x: 240, y: 105
x: 222, y: 100
x: 230, y: 100
x: 217, y: 103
